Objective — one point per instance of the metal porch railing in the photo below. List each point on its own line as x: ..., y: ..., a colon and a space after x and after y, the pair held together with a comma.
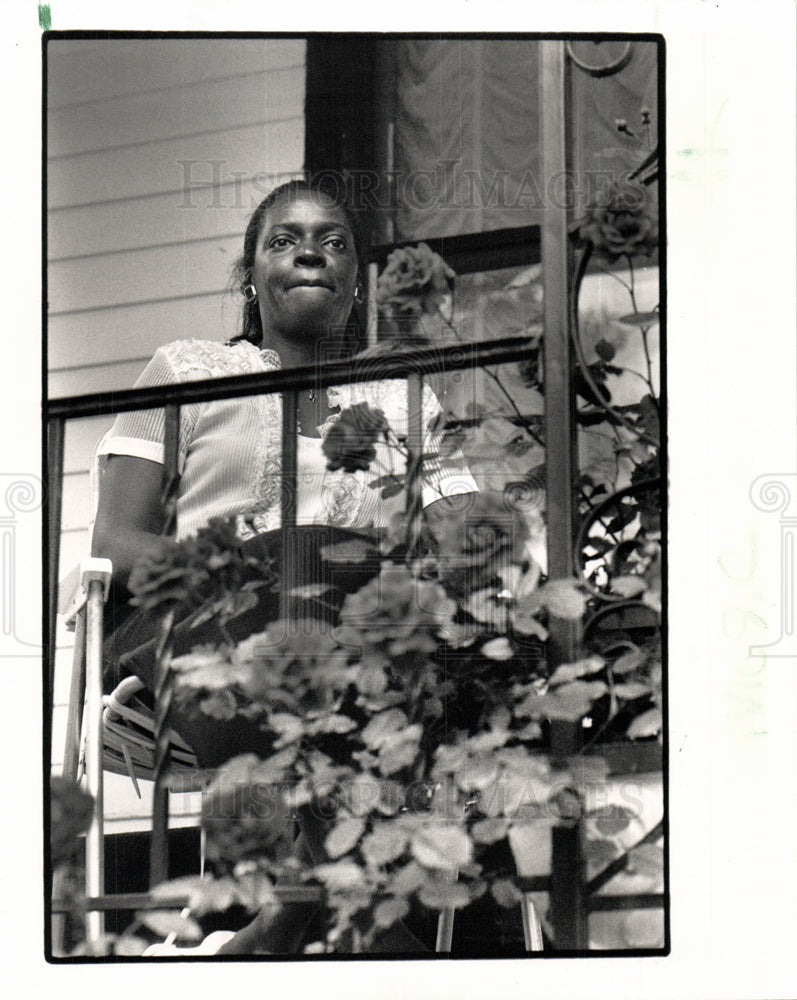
x: 572, y: 896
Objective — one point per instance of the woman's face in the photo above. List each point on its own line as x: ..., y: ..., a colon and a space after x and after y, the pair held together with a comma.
x: 305, y: 268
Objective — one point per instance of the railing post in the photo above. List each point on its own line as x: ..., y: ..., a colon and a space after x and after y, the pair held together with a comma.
x: 415, y: 457
x: 568, y: 904
x: 560, y: 450
x: 568, y: 894
x: 290, y: 430
x: 95, y: 846
x: 159, y: 846
x: 55, y: 469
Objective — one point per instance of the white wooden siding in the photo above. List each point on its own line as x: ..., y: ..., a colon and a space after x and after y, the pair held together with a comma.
x: 158, y: 150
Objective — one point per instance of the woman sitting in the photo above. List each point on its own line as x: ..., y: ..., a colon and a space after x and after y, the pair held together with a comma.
x: 300, y: 276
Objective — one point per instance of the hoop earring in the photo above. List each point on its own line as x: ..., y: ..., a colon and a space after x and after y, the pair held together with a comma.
x: 249, y: 293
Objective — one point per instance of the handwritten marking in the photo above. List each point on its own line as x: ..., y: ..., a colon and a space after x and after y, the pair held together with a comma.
x: 744, y: 680
x: 45, y: 17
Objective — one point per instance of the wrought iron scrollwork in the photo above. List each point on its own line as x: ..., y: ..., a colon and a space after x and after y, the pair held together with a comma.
x: 605, y: 69
x: 613, y: 536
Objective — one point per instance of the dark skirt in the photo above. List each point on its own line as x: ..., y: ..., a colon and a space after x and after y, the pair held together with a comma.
x: 132, y: 633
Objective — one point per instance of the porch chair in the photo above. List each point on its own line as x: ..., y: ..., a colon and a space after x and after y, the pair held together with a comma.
x: 111, y: 732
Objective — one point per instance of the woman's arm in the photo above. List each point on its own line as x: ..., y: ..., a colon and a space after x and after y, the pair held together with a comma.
x: 129, y: 515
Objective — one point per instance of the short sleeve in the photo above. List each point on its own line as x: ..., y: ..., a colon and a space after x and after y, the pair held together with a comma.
x: 139, y: 433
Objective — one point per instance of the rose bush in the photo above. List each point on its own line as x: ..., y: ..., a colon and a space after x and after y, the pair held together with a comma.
x: 349, y: 444
x: 478, y: 541
x: 209, y: 568
x: 415, y: 281
x: 621, y: 221
x: 417, y: 732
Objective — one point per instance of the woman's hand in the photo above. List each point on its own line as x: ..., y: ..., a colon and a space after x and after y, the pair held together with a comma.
x: 130, y: 515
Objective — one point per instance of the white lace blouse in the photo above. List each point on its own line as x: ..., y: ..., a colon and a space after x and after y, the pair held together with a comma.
x: 230, y: 449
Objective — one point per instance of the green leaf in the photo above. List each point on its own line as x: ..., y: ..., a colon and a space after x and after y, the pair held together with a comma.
x: 612, y: 820
x: 272, y: 769
x: 389, y: 911
x: 384, y: 481
x: 220, y: 704
x: 300, y: 795
x: 567, y: 803
x: 370, y: 679
x: 600, y: 853
x: 362, y: 794
x: 500, y: 718
x: 391, y: 797
x: 647, y: 724
x: 519, y: 445
x: 166, y: 922
x: 344, y: 836
x: 531, y: 847
x: 384, y: 844
x: 604, y: 350
x: 382, y: 727
x: 485, y: 742
x: 629, y: 585
x: 289, y: 727
x: 525, y: 622
x: 390, y: 485
x: 531, y: 732
x: 400, y: 752
x: 253, y: 890
x: 449, y: 758
x: 205, y: 895
x: 452, y: 441
x: 498, y: 649
x: 647, y: 859
x: 440, y: 895
x: 232, y: 774
x: 564, y: 599
x: 628, y: 662
x: 626, y: 512
x: 639, y: 319
x: 311, y: 590
x: 441, y: 846
x: 570, y: 701
x: 631, y: 690
x: 506, y: 893
x: 340, y: 876
x: 476, y: 774
x: 130, y: 946
x: 206, y: 667
x: 649, y: 414
x: 407, y: 879
x: 572, y: 671
x: 483, y: 607
x: 333, y: 724
x: 489, y: 831
x: 514, y: 791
